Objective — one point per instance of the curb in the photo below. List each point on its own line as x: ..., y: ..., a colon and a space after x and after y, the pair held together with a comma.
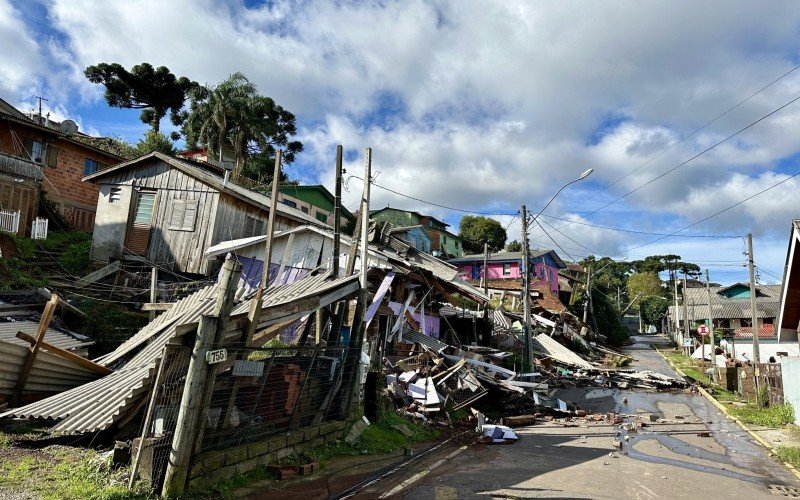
x: 763, y: 442
x: 419, y: 475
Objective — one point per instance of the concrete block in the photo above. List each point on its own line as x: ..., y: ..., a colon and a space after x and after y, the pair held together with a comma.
x: 257, y: 449
x: 295, y: 438
x: 248, y: 465
x: 236, y: 455
x: 311, y: 432
x: 355, y: 432
x: 277, y: 442
x: 284, y: 452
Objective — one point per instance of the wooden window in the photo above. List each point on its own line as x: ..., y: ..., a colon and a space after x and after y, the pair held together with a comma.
x: 115, y: 195
x: 52, y: 156
x: 183, y: 215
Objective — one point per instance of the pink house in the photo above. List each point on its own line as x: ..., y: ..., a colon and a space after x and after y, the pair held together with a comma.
x: 506, y: 265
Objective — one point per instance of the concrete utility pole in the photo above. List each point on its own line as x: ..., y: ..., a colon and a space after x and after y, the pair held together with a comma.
x: 586, y: 300
x: 337, y: 213
x: 711, y: 321
x: 751, y: 266
x: 677, y: 335
x: 365, y: 218
x: 486, y: 268
x: 686, y: 326
x: 255, y: 304
x: 526, y: 294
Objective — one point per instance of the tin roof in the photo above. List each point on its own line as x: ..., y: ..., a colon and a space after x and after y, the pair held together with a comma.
x: 62, y: 339
x: 98, y: 405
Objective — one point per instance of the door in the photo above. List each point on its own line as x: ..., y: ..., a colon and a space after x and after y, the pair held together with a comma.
x: 139, y: 231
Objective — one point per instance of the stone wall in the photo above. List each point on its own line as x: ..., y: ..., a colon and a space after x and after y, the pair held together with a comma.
x: 210, y: 467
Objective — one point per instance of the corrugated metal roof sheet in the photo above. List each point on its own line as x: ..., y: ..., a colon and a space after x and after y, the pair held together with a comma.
x: 98, y: 405
x: 65, y: 340
x: 552, y: 348
x: 20, y: 167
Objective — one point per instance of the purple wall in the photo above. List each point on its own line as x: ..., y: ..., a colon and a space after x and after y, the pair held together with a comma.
x: 543, y: 273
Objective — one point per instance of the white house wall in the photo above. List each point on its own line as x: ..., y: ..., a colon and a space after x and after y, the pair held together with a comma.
x: 111, y: 221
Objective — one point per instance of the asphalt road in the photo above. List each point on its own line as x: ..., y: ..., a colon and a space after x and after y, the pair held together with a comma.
x: 666, y: 459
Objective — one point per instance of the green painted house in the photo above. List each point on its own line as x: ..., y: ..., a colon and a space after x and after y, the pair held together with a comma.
x: 316, y: 201
x: 444, y: 244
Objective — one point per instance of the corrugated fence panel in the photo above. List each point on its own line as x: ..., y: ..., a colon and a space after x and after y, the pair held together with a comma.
x: 790, y: 372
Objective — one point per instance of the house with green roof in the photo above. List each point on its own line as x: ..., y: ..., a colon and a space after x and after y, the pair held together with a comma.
x: 316, y: 201
x: 443, y: 243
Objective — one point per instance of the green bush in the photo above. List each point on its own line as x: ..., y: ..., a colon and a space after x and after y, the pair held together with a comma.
x: 76, y: 258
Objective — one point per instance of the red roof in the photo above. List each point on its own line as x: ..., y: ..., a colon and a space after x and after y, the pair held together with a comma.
x: 746, y: 332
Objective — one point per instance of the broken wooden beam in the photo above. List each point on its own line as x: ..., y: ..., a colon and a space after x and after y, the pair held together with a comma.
x: 99, y: 274
x: 30, y: 358
x: 44, y: 292
x: 157, y: 306
x: 71, y: 356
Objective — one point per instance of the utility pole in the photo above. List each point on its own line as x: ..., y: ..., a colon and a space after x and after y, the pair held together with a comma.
x: 337, y: 213
x: 40, y: 107
x: 677, y: 335
x: 686, y: 327
x: 365, y: 218
x: 711, y: 321
x: 751, y: 266
x: 586, y: 300
x: 255, y: 304
x: 486, y: 268
x: 526, y: 294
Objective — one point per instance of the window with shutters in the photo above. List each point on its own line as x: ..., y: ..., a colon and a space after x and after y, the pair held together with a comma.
x: 52, y: 156
x: 183, y: 215
x: 253, y: 226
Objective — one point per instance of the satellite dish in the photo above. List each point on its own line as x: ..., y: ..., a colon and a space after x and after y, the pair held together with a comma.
x: 68, y: 127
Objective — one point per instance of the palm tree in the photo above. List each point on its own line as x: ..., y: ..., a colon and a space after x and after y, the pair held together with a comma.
x: 233, y: 117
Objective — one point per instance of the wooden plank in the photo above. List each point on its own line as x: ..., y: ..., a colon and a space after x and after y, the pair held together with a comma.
x: 91, y: 365
x: 99, y: 274
x: 44, y: 322
x: 411, y: 321
x: 157, y: 306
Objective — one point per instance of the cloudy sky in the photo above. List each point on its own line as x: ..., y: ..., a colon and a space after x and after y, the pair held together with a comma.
x: 483, y: 106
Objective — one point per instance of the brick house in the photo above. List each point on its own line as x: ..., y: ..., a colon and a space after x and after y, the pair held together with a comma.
x: 63, y: 155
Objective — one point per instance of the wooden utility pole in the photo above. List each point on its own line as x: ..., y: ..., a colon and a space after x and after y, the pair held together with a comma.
x: 711, y: 321
x: 33, y: 350
x: 337, y: 213
x: 256, y: 303
x: 486, y: 268
x: 196, y: 387
x: 753, y: 313
x: 526, y: 295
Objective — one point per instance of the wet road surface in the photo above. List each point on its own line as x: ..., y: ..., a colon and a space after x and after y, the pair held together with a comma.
x: 688, y: 449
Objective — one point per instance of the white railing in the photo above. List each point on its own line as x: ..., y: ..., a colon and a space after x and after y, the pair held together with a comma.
x: 39, y: 228
x: 9, y: 221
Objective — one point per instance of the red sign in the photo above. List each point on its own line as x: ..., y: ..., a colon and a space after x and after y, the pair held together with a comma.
x: 702, y: 330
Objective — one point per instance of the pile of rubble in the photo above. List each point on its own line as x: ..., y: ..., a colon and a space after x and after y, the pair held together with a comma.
x: 437, y: 379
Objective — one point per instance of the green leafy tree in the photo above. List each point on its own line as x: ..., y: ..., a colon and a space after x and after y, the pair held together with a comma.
x: 156, y: 91
x: 653, y: 309
x: 475, y: 230
x: 233, y: 119
x: 514, y: 246
x: 644, y: 285
x: 155, y: 141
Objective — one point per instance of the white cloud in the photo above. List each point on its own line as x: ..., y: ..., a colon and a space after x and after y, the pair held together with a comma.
x: 482, y: 105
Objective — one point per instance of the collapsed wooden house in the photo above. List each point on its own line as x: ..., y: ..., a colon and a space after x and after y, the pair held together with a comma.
x: 169, y: 211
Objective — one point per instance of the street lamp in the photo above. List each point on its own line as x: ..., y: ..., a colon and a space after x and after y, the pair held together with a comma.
x: 526, y: 292
x: 586, y: 173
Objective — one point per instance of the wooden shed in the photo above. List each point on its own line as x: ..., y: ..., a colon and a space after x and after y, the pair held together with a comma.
x: 169, y: 211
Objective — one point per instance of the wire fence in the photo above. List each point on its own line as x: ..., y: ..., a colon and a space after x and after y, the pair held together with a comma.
x: 262, y: 392
x: 256, y: 393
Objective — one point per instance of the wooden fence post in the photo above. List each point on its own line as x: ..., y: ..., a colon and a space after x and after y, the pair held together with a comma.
x: 194, y: 389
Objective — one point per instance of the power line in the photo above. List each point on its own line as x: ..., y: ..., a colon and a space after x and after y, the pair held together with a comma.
x: 694, y: 132
x: 667, y: 172
x: 633, y: 231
